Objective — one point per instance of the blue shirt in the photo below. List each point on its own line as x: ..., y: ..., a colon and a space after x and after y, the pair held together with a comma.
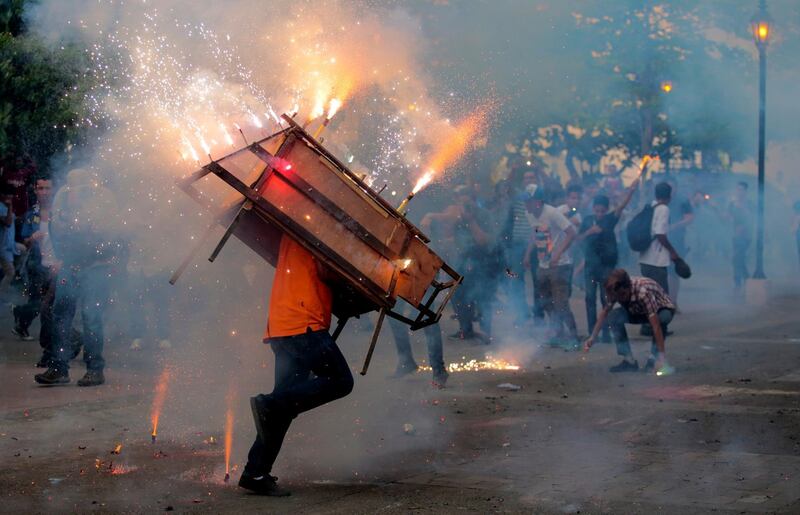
x: 8, y: 245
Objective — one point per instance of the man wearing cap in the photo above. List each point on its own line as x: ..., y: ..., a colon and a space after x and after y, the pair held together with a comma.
x: 552, y: 234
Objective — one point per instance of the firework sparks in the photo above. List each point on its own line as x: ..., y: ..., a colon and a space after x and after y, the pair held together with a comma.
x: 476, y: 365
x: 453, y: 147
x: 158, y: 400
x: 423, y: 181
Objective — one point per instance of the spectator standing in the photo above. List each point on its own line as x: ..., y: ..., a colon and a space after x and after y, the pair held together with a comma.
x: 679, y: 223
x: 740, y: 212
x: 35, y: 235
x: 598, y: 234
x: 551, y: 236
x: 478, y: 260
x: 515, y: 237
x: 654, y: 261
x: 8, y: 244
x: 85, y: 233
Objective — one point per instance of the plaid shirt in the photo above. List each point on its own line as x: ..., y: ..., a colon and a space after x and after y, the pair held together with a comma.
x: 647, y: 298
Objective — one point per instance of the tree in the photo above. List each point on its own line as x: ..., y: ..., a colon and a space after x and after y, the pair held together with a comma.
x: 41, y: 92
x: 648, y: 60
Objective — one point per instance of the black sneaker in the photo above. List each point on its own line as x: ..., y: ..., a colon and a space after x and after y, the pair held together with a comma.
x: 92, y: 378
x: 625, y: 366
x: 650, y: 365
x: 440, y: 378
x: 52, y: 376
x: 263, y: 485
x: 19, y: 332
x: 259, y: 407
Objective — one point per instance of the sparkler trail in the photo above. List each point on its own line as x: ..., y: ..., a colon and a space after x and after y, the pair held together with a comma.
x: 158, y: 400
x: 455, y: 145
x: 229, y: 430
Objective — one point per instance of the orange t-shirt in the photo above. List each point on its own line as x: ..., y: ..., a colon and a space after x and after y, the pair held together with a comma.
x: 299, y: 298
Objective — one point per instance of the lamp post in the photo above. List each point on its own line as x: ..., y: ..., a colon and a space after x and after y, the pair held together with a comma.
x: 761, y: 26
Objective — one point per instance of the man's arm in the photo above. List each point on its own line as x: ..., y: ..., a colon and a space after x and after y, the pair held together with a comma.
x: 658, y: 335
x: 563, y: 246
x: 628, y: 196
x: 662, y: 238
x: 601, y: 319
x: 478, y: 234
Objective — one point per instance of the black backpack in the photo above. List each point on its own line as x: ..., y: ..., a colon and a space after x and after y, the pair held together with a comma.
x: 639, y: 236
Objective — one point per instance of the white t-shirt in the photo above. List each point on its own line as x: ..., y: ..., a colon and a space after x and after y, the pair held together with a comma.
x: 548, y: 233
x: 656, y: 254
x: 575, y: 219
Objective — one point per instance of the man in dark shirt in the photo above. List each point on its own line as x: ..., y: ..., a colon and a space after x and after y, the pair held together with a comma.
x: 600, y: 251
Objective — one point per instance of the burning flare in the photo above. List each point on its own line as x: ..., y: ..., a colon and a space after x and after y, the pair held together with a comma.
x: 158, y: 400
x: 423, y: 181
x: 228, y: 441
x: 454, y: 146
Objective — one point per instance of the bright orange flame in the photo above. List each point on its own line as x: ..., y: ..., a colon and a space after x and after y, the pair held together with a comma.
x: 457, y: 144
x: 423, y: 181
x: 666, y: 87
x: 645, y: 160
x: 117, y: 449
x: 228, y: 438
x: 333, y: 107
x: 158, y: 399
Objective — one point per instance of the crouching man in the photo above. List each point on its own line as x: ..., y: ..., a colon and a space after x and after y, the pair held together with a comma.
x: 642, y: 301
x: 309, y: 368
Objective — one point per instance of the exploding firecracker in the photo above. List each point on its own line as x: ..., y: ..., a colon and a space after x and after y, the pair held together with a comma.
x: 158, y: 401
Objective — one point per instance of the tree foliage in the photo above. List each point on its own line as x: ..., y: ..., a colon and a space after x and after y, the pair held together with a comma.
x: 638, y: 47
x: 41, y: 92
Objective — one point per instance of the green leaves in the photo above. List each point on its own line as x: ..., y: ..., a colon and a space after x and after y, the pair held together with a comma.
x: 41, y: 92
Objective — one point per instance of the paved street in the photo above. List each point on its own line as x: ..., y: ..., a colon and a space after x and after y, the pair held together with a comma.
x: 720, y: 435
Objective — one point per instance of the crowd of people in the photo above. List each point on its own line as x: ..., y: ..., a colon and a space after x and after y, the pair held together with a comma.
x: 528, y: 247
x: 524, y: 250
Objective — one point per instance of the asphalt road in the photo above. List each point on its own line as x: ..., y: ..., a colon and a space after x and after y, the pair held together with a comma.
x: 721, y: 434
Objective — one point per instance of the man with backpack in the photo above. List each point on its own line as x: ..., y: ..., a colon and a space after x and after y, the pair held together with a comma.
x: 647, y: 234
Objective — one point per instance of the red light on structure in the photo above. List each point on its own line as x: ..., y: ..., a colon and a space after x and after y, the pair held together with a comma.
x: 287, y: 167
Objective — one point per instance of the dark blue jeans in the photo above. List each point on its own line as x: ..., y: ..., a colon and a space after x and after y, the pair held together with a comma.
x: 740, y: 273
x: 87, y: 288
x: 515, y: 282
x: 297, y: 390
x: 433, y: 337
x: 620, y: 316
x: 595, y: 276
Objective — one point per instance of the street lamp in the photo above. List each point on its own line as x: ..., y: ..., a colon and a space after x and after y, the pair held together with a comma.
x: 761, y: 26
